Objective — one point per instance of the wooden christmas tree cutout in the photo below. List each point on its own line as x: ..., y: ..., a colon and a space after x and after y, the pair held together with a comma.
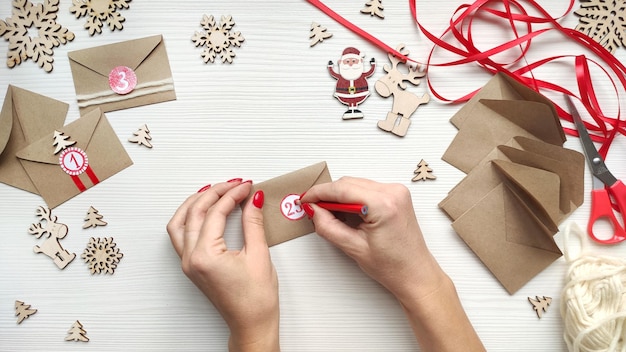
x: 540, y: 305
x: 318, y: 33
x: 23, y: 311
x: 374, y: 8
x: 40, y: 49
x: 423, y: 172
x: 604, y: 21
x: 54, y: 232
x: 142, y: 137
x: 102, y: 255
x: 404, y: 103
x: 93, y: 219
x: 61, y: 142
x: 217, y: 39
x: 100, y: 12
x: 77, y: 333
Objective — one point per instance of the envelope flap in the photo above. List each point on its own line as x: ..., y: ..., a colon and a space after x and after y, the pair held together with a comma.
x: 79, y: 131
x: 36, y: 113
x: 536, y: 118
x: 6, y: 119
x: 294, y: 182
x: 105, y: 58
x: 540, y: 187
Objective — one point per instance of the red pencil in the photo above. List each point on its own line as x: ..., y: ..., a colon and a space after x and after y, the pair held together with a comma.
x: 345, y: 208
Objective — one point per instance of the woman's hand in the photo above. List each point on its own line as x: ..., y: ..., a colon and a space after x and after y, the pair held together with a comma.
x: 242, y: 285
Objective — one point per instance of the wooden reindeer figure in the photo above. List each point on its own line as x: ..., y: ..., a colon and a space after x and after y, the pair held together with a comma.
x: 54, y: 232
x: 404, y: 103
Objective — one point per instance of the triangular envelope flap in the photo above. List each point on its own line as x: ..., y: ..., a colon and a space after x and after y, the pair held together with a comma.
x: 38, y: 114
x: 538, y: 187
x: 535, y: 118
x: 310, y: 174
x: 80, y: 131
x: 6, y: 119
x: 103, y: 59
x: 527, y: 93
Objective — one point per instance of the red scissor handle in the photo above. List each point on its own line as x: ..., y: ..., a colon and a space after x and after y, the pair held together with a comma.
x: 601, y: 209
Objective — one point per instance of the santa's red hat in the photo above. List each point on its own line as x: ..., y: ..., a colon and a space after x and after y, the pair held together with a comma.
x: 351, y: 53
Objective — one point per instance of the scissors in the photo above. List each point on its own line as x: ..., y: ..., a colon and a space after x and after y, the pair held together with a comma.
x: 605, y: 186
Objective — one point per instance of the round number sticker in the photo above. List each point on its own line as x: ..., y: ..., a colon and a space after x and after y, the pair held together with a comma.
x: 290, y: 209
x: 122, y: 80
x: 73, y: 161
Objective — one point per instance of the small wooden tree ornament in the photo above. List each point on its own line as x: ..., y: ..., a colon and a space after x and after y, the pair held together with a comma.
x: 40, y: 49
x: 53, y: 231
x: 77, y: 333
x: 318, y: 33
x: 93, y: 219
x: 99, y: 12
x: 23, y: 311
x: 61, y: 142
x: 142, y: 136
x: 423, y: 172
x: 404, y: 103
x: 540, y: 304
x: 374, y: 8
x: 217, y: 39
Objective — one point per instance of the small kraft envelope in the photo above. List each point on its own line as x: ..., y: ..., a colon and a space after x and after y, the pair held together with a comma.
x: 487, y: 122
x: 97, y: 155
x: 122, y: 75
x: 25, y: 118
x: 283, y: 219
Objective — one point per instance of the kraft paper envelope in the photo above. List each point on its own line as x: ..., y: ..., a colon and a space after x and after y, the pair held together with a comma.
x: 147, y: 57
x: 507, y: 214
x: 500, y: 87
x: 95, y: 137
x: 278, y: 227
x: 488, y: 123
x: 25, y: 118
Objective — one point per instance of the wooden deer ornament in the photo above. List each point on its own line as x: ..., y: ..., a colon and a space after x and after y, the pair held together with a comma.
x: 404, y: 103
x: 54, y: 231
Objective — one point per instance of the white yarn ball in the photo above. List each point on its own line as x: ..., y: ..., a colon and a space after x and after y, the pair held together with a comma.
x: 593, y: 301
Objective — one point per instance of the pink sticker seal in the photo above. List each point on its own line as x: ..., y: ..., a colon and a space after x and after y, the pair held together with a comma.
x: 290, y: 209
x: 122, y: 80
x: 73, y: 161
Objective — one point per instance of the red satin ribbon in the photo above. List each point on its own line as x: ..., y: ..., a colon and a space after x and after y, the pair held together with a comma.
x: 79, y: 183
x: 460, y: 28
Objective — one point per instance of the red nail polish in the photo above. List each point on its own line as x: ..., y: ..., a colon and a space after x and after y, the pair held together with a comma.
x: 308, y: 209
x: 235, y: 180
x: 258, y: 199
x: 247, y: 181
x: 204, y: 188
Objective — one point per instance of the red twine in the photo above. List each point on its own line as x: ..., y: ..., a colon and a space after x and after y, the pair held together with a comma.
x: 514, y: 13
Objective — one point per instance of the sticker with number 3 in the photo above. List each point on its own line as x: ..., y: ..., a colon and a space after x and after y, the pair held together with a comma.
x: 122, y: 80
x: 290, y: 209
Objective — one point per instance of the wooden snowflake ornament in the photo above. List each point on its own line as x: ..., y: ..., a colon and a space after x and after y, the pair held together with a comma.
x: 77, y: 333
x: 540, y: 304
x: 50, y: 34
x: 53, y: 231
x: 23, y: 311
x: 404, y: 103
x: 374, y: 8
x: 217, y: 39
x: 318, y: 33
x: 604, y: 21
x: 99, y: 12
x: 102, y: 255
x: 142, y: 137
x: 93, y: 219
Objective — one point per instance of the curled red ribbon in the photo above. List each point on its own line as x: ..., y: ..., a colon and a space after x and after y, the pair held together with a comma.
x: 514, y: 13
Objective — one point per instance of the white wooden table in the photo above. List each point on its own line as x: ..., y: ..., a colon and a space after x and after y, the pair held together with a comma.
x: 268, y: 113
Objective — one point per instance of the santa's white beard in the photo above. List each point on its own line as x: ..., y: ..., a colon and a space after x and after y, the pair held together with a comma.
x: 351, y: 72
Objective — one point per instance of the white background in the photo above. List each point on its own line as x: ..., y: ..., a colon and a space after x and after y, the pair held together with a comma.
x: 268, y: 113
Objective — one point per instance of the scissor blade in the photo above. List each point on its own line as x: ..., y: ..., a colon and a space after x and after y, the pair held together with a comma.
x: 596, y: 162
